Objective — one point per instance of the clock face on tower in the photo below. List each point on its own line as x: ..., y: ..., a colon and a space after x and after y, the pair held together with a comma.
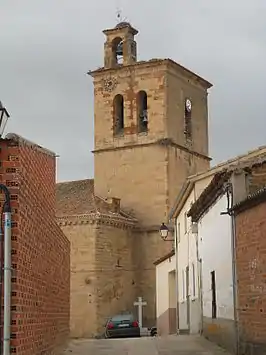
x: 110, y: 84
x: 188, y: 105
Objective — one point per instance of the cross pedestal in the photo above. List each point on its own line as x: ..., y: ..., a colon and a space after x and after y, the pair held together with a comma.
x: 140, y: 304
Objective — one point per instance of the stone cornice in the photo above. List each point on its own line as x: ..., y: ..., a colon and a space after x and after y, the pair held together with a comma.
x: 155, y: 62
x: 151, y: 228
x: 167, y: 142
x: 97, y: 218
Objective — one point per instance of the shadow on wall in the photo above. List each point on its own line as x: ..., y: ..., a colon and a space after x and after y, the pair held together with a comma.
x: 220, y: 331
x: 166, y: 323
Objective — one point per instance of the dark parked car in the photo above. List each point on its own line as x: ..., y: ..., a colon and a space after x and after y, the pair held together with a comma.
x: 122, y: 326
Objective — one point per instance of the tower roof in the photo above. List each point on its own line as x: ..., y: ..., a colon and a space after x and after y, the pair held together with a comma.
x: 120, y: 26
x: 123, y: 24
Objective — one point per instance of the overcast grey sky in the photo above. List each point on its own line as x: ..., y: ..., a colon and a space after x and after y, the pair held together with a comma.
x: 47, y: 46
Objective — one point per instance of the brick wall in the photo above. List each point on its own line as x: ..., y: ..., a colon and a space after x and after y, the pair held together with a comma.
x: 251, y: 275
x: 257, y: 178
x: 40, y: 251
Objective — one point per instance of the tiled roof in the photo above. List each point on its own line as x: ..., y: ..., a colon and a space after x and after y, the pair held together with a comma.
x: 77, y: 198
x: 256, y: 182
x: 251, y: 158
x: 209, y: 195
x: 165, y: 257
x: 257, y: 155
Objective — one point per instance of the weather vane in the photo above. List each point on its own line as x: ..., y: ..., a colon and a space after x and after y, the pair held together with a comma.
x: 119, y: 17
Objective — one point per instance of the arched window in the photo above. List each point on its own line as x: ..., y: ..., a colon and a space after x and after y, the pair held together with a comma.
x: 118, y: 115
x: 142, y: 111
x: 117, y: 48
x: 188, y: 121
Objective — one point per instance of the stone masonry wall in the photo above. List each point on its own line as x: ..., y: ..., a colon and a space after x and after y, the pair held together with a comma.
x: 115, y: 284
x: 251, y: 276
x: 40, y: 251
x: 102, y: 273
x: 81, y: 234
x: 145, y: 175
x: 179, y: 87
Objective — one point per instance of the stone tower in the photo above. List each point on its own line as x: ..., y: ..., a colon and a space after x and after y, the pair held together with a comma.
x: 151, y: 132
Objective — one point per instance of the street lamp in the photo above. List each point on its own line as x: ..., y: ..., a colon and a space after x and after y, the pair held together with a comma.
x: 164, y: 231
x: 4, y: 116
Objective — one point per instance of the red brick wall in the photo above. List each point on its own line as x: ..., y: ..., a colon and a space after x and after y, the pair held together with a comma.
x: 40, y: 251
x: 251, y: 275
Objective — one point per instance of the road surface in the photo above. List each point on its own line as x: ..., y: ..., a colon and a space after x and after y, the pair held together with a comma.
x: 171, y: 345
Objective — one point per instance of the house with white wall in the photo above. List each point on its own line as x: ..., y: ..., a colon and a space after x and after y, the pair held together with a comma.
x: 189, y: 260
x: 189, y: 307
x: 166, y: 300
x: 214, y: 229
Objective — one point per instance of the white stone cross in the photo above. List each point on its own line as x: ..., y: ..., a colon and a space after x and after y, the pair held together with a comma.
x: 140, y: 304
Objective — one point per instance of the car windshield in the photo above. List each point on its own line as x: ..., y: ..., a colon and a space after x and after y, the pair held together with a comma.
x: 122, y: 318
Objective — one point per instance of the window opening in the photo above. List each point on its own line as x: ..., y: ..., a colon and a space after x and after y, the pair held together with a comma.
x: 142, y: 110
x: 118, y: 115
x: 213, y: 289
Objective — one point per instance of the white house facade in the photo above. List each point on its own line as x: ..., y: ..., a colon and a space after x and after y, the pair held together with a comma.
x: 201, y: 296
x: 217, y: 291
x: 189, y: 302
x: 213, y: 224
x: 166, y: 301
x: 215, y: 251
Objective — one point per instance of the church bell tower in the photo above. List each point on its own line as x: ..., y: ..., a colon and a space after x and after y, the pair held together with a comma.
x: 120, y: 46
x: 151, y: 132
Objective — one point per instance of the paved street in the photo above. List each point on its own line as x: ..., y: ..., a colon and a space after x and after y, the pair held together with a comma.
x: 172, y: 345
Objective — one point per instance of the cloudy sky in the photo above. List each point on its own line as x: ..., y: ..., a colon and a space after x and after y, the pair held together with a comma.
x: 47, y: 46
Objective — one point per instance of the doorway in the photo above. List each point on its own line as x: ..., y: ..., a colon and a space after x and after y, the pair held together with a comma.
x: 213, y: 289
x: 172, y: 302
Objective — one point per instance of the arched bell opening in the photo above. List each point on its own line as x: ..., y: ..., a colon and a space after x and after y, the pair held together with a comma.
x: 117, y: 48
x: 118, y: 118
x: 188, y: 121
x: 142, y: 111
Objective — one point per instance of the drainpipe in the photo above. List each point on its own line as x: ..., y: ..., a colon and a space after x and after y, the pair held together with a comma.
x: 235, y: 281
x: 199, y: 272
x: 235, y: 292
x: 7, y: 271
x: 199, y: 278
x: 230, y: 204
x: 1, y: 268
x: 176, y: 279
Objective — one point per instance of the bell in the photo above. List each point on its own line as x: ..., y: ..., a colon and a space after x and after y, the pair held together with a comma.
x: 119, y: 49
x: 145, y: 119
x: 144, y: 116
